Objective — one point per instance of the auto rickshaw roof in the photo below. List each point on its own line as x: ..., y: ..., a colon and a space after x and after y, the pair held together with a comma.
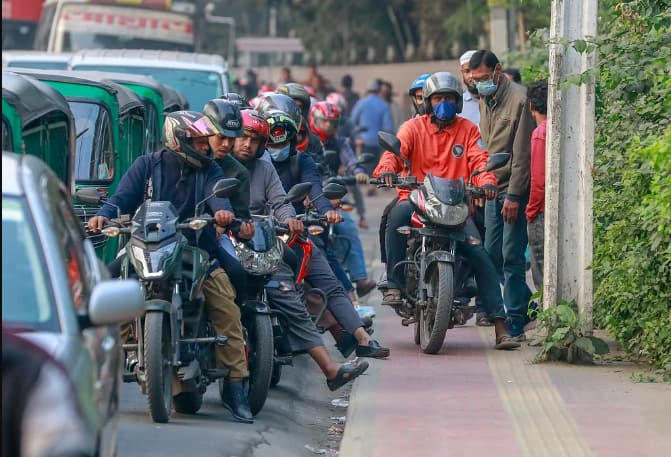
x: 31, y: 98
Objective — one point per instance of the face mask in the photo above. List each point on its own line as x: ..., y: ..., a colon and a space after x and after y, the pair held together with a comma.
x: 445, y: 111
x: 486, y: 87
x: 280, y: 155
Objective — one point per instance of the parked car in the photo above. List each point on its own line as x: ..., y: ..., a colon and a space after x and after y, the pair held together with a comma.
x: 57, y: 293
x: 110, y: 136
x: 36, y: 59
x: 37, y: 119
x: 200, y: 77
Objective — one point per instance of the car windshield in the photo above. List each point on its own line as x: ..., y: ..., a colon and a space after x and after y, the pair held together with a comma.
x: 199, y: 86
x: 26, y: 296
x: 94, y: 160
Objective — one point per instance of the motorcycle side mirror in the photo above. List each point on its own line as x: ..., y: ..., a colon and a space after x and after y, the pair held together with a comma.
x: 221, y: 189
x: 298, y: 192
x: 331, y: 159
x: 225, y: 187
x: 334, y: 191
x: 89, y: 195
x: 389, y: 142
x: 366, y: 157
x: 497, y: 160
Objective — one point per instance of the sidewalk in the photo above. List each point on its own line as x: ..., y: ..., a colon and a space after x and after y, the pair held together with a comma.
x: 471, y: 400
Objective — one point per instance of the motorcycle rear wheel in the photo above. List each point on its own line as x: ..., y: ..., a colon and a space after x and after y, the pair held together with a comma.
x: 435, y: 318
x: 261, y: 351
x: 158, y: 369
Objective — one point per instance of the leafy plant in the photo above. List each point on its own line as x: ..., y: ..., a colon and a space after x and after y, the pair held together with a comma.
x: 558, y: 331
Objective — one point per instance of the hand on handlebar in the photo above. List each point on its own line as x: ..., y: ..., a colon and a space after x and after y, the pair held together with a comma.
x: 97, y: 223
x: 295, y: 226
x: 223, y: 217
x: 333, y: 217
x: 388, y: 178
x: 362, y: 178
x: 490, y: 192
x: 246, y: 231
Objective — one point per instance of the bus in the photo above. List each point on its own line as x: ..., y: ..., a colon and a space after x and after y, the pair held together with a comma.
x: 19, y: 21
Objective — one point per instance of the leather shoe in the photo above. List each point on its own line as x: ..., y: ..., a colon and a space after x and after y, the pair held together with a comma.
x: 372, y: 350
x: 364, y: 286
x: 237, y: 402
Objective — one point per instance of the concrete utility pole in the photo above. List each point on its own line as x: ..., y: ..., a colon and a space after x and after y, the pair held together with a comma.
x: 569, y: 159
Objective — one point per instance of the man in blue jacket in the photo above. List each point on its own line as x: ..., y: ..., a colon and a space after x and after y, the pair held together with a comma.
x: 184, y: 174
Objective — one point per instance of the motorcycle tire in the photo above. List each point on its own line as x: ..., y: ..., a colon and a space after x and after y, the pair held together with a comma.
x: 158, y: 369
x: 434, y: 320
x: 277, y: 375
x: 261, y: 351
x: 188, y: 402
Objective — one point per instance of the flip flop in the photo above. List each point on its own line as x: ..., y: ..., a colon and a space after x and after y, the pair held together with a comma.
x: 392, y: 297
x: 347, y: 372
x: 506, y: 342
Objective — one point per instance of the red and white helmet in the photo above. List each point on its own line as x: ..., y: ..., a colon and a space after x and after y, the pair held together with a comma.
x: 255, y: 122
x: 338, y: 100
x: 324, y: 119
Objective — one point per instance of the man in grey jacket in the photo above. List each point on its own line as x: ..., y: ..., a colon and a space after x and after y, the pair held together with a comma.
x: 506, y: 125
x: 267, y: 196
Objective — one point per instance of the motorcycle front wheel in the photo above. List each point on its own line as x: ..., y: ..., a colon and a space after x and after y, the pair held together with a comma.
x: 434, y: 318
x: 261, y: 351
x: 158, y: 367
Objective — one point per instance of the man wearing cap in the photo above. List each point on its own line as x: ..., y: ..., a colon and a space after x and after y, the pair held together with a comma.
x: 371, y: 114
x: 471, y: 109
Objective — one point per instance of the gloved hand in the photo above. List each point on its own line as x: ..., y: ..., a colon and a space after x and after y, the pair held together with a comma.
x: 362, y: 178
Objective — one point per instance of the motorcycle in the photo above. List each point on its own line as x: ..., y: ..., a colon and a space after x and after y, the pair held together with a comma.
x: 437, y: 276
x: 174, y: 338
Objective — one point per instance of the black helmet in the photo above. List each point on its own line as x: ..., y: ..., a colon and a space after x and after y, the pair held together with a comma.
x: 297, y: 91
x: 178, y: 130
x: 226, y: 116
x: 442, y: 82
x: 283, y: 103
x: 239, y: 100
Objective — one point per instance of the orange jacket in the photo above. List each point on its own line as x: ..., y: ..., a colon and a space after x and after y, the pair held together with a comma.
x: 452, y: 153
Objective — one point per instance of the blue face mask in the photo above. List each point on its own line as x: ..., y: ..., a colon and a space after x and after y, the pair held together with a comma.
x: 280, y: 155
x: 486, y: 87
x: 445, y: 111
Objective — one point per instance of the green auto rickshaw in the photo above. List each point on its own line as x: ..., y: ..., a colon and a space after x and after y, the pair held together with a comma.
x: 110, y: 127
x: 36, y: 120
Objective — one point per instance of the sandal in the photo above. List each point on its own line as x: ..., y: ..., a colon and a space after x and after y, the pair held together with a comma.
x: 506, y: 342
x: 347, y: 372
x: 392, y: 297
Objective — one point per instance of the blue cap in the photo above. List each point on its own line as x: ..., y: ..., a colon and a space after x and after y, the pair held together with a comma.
x: 418, y: 83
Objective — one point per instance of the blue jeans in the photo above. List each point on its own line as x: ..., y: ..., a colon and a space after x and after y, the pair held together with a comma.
x: 356, y: 260
x: 505, y: 244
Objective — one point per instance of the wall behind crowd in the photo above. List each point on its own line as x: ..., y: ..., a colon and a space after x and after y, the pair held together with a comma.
x: 400, y: 75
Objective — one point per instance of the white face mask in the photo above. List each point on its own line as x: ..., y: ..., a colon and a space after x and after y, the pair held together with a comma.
x: 281, y: 154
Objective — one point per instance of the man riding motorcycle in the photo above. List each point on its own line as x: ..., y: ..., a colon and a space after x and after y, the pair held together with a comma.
x: 267, y: 193
x: 187, y: 175
x: 282, y: 149
x: 446, y: 145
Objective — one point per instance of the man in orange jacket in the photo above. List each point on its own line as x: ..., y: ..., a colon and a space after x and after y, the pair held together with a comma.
x: 447, y: 146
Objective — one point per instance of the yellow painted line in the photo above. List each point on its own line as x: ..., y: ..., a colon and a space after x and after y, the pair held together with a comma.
x: 540, y: 419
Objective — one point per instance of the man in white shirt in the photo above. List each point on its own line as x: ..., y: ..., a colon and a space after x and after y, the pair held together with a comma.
x: 471, y: 109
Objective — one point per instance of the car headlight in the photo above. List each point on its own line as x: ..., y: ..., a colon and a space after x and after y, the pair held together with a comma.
x: 150, y: 264
x: 442, y: 214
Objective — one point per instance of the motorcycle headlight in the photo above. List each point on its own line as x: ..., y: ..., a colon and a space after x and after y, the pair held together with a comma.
x: 151, y: 264
x: 451, y: 215
x: 260, y: 263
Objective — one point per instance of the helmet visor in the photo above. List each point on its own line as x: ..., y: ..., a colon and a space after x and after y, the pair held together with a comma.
x: 203, y: 127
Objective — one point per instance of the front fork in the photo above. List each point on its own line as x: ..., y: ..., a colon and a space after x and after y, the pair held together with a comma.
x: 447, y: 253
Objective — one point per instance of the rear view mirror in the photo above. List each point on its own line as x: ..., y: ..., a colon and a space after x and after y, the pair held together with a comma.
x: 114, y: 302
x: 366, y: 157
x: 298, y: 192
x: 226, y: 187
x: 334, y: 191
x: 497, y: 160
x: 389, y: 142
x: 89, y: 195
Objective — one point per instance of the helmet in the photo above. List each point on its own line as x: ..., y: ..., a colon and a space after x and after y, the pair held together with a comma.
x: 253, y: 121
x: 282, y: 126
x: 418, y: 83
x: 297, y: 92
x: 324, y: 111
x: 303, y: 138
x: 337, y: 99
x: 283, y: 103
x: 442, y: 82
x: 178, y: 130
x: 226, y: 116
x: 237, y: 99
